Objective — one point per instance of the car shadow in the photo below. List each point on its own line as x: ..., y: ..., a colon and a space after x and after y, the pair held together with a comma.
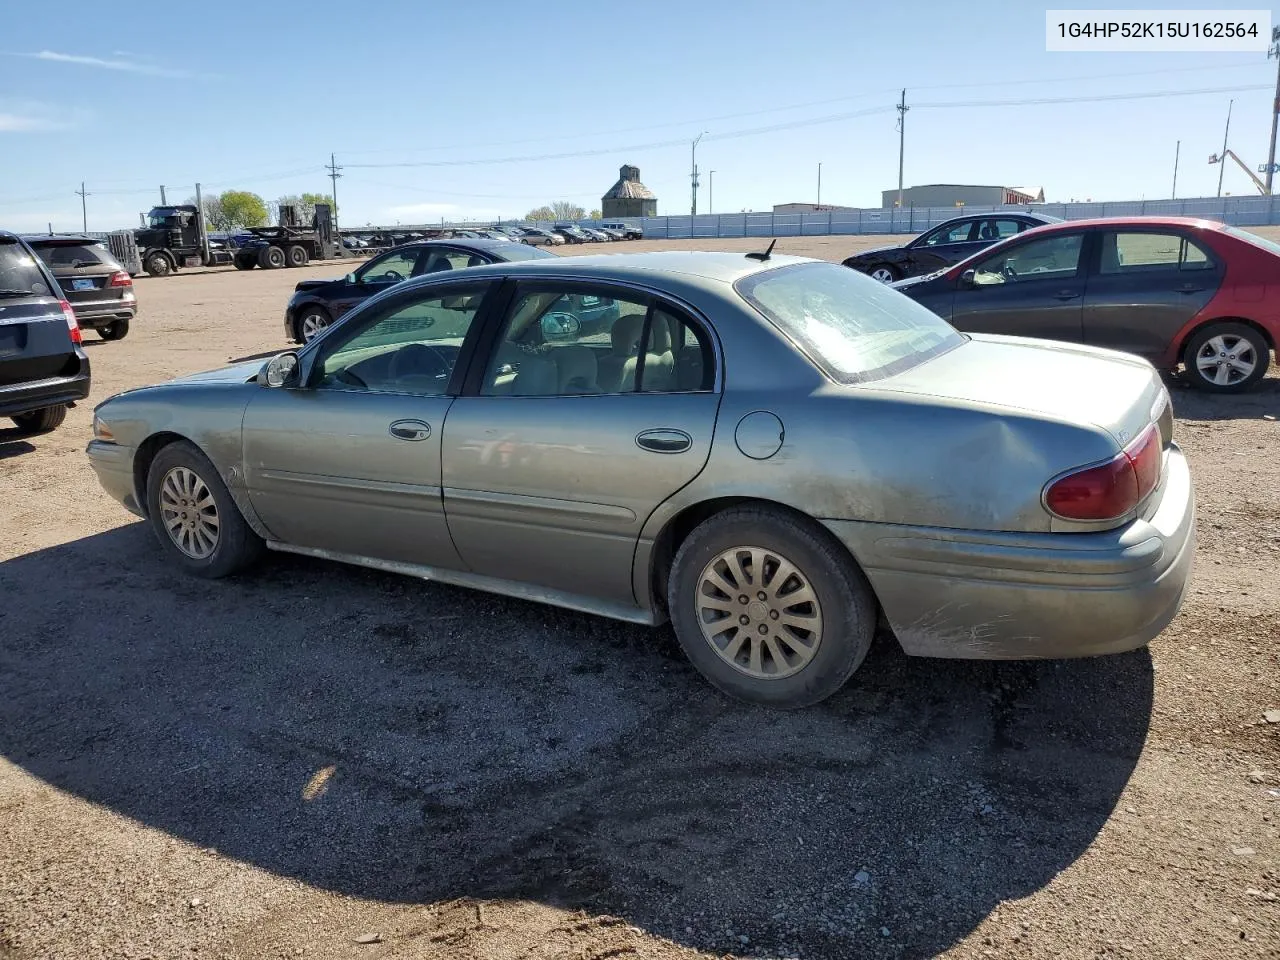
x: 409, y: 742
x: 1190, y: 403
x: 11, y: 445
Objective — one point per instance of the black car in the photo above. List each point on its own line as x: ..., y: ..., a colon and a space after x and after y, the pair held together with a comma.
x: 43, y: 369
x: 318, y: 303
x: 572, y: 233
x: 98, y: 288
x: 945, y: 244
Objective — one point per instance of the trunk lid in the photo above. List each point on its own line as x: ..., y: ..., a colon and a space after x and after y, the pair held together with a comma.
x: 1067, y: 382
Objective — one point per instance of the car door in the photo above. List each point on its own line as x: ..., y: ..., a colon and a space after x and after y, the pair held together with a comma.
x: 349, y: 462
x: 940, y: 247
x: 1032, y: 288
x: 573, y: 430
x: 380, y: 273
x: 1144, y: 285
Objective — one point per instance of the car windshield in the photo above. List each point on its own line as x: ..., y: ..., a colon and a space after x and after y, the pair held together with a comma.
x: 1269, y: 245
x: 853, y: 328
x: 159, y: 218
x: 19, y: 274
x: 75, y: 255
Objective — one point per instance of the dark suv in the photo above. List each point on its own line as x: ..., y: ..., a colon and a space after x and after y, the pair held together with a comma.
x: 98, y: 288
x: 43, y: 369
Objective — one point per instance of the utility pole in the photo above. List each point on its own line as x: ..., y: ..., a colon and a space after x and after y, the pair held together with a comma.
x: 335, y: 172
x: 1223, y: 168
x: 1274, y: 51
x: 711, y: 192
x: 902, y: 140
x: 693, y: 173
x: 1176, y: 150
x: 819, y: 203
x: 163, y: 201
x: 84, y: 214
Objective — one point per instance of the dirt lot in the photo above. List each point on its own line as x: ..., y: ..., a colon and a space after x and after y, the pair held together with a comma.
x: 288, y: 763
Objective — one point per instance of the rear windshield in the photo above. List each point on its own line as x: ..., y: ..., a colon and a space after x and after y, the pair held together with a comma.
x: 76, y: 255
x: 853, y: 328
x: 1257, y: 241
x: 522, y: 251
x: 19, y: 274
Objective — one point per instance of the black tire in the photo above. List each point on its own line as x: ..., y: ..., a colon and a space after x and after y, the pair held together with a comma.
x: 880, y: 271
x: 297, y: 256
x: 245, y: 261
x: 41, y: 421
x: 158, y: 265
x: 114, y: 331
x: 845, y: 602
x: 320, y: 315
x: 236, y: 547
x: 1240, y: 341
x: 271, y: 258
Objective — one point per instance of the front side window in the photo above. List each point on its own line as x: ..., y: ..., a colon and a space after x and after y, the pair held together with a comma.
x: 851, y: 327
x: 1146, y: 251
x: 412, y: 349
x: 1049, y: 258
x: 960, y: 233
x: 391, y: 268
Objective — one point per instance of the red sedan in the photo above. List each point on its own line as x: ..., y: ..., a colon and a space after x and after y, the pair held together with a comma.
x: 1174, y: 290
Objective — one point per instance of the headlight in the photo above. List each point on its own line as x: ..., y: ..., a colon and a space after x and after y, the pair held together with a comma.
x: 101, y: 431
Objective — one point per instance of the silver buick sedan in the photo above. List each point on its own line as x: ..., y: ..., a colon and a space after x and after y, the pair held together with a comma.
x: 772, y: 452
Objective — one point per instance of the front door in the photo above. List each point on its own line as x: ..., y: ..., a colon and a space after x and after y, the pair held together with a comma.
x: 380, y: 273
x: 350, y: 462
x: 594, y: 406
x: 1144, y: 287
x: 1029, y: 289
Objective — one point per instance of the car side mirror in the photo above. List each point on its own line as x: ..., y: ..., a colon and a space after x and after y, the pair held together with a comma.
x: 350, y: 277
x: 560, y: 326
x: 280, y: 371
x: 966, y: 278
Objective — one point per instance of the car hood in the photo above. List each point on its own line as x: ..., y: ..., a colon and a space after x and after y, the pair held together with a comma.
x: 1065, y: 382
x: 910, y: 282
x: 314, y: 284
x: 863, y: 254
x: 236, y: 373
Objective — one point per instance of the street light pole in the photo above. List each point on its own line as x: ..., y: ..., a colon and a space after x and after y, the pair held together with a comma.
x: 84, y: 212
x: 1176, y: 150
x: 1223, y: 169
x: 711, y: 192
x: 819, y: 203
x: 902, y: 140
x: 693, y: 173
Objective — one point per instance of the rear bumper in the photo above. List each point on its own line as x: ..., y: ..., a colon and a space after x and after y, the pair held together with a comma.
x: 22, y: 398
x: 1005, y: 596
x: 113, y: 463
x: 92, y: 313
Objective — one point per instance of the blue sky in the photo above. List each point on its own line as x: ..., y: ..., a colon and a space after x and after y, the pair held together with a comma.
x: 127, y: 102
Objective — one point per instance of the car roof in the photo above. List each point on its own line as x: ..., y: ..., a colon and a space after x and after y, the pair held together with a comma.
x: 1198, y: 223
x: 477, y: 243
x: 44, y: 239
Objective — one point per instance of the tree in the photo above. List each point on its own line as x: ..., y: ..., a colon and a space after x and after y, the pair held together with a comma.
x: 564, y: 210
x: 595, y: 215
x: 215, y: 218
x: 240, y: 208
x: 306, y: 204
x: 540, y: 213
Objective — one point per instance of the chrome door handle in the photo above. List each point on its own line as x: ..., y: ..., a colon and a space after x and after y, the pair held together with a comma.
x: 409, y: 430
x: 664, y: 441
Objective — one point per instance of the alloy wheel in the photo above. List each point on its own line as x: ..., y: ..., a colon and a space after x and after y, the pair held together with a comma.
x: 759, y: 612
x: 1226, y: 359
x: 189, y: 513
x: 313, y: 324
x: 883, y: 274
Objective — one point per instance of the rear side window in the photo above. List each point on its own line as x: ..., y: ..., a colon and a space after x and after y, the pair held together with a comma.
x: 20, y: 276
x: 76, y: 255
x: 1142, y: 252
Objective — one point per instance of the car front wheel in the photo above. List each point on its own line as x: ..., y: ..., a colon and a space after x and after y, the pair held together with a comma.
x: 884, y: 273
x: 193, y: 515
x: 1226, y: 358
x: 769, y: 608
x: 312, y: 323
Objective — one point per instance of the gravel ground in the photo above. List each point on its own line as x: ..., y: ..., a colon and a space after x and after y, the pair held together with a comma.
x: 292, y: 762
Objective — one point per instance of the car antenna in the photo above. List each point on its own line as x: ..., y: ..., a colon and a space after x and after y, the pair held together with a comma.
x: 763, y: 256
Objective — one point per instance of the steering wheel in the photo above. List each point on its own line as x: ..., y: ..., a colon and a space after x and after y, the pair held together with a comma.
x: 391, y: 276
x: 418, y: 359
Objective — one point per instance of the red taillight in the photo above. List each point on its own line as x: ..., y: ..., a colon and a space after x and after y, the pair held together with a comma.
x: 1112, y: 489
x: 120, y: 279
x: 72, y: 324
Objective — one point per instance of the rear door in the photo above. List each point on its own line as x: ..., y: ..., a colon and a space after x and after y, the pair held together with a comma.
x: 576, y: 423
x: 1144, y: 286
x: 1032, y: 288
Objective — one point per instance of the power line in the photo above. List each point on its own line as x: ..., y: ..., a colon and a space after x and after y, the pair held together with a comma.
x: 1153, y: 94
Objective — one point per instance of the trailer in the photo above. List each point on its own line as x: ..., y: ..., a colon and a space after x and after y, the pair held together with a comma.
x: 291, y: 244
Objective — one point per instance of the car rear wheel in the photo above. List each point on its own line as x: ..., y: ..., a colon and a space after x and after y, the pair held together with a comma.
x: 271, y: 258
x: 193, y: 515
x: 41, y: 421
x: 117, y: 330
x: 297, y: 256
x: 312, y: 323
x: 1226, y: 358
x: 769, y: 608
x: 158, y: 265
x: 884, y: 273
